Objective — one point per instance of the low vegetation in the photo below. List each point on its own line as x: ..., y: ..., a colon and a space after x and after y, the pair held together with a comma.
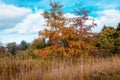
x: 84, y: 68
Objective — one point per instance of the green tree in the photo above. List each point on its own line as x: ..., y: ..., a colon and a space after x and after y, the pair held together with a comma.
x: 38, y: 44
x: 23, y: 45
x: 118, y: 38
x: 118, y: 27
x: 107, y: 40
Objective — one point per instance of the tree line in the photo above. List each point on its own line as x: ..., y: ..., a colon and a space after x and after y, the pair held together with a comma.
x: 12, y: 47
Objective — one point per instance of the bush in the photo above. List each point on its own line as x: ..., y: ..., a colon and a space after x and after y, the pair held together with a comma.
x: 28, y: 54
x: 37, y: 44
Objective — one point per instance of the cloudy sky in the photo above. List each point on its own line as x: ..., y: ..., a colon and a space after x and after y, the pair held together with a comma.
x: 22, y: 19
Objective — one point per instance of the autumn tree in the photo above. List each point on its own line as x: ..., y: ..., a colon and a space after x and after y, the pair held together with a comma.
x: 72, y: 40
x: 55, y: 21
x: 80, y: 37
x: 80, y: 23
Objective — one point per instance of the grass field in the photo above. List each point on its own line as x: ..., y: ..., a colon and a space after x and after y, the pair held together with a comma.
x: 14, y: 68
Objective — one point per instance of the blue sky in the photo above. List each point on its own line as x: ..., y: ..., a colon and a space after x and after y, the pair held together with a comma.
x: 22, y: 19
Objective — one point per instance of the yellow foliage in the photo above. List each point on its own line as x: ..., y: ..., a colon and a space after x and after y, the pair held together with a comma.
x: 67, y: 41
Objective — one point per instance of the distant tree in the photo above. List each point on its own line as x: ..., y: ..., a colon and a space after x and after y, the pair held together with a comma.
x: 12, y: 48
x: 38, y: 44
x: 23, y: 45
x: 104, y: 27
x: 118, y: 38
x: 118, y: 27
x: 2, y: 49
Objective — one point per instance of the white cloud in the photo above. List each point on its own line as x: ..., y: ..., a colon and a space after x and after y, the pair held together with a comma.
x: 10, y: 15
x: 69, y: 15
x: 17, y: 38
x: 108, y: 18
x: 33, y: 23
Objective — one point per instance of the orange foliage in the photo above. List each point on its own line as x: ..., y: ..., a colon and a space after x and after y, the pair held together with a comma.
x: 69, y: 41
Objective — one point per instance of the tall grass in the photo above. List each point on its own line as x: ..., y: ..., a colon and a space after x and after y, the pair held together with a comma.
x: 13, y: 68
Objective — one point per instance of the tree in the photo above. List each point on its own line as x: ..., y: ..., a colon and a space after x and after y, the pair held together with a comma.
x: 78, y: 35
x: 83, y: 29
x: 74, y: 40
x: 118, y: 38
x: 55, y: 21
x: 23, y: 45
x: 12, y: 48
x: 118, y: 27
x: 104, y: 27
x: 107, y: 40
x: 2, y: 49
x: 38, y: 44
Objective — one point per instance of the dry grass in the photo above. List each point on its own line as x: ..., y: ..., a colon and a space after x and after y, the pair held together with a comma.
x: 39, y: 69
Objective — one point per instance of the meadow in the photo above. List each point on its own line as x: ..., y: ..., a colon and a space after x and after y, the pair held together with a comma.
x: 84, y: 68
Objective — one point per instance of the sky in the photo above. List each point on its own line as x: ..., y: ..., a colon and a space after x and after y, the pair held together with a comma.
x: 22, y: 19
